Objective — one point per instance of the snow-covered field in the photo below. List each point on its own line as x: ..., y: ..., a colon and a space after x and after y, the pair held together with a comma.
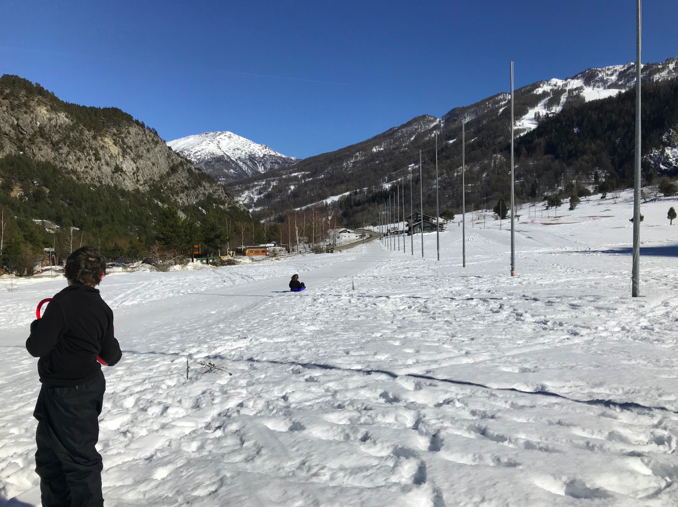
x: 427, y: 385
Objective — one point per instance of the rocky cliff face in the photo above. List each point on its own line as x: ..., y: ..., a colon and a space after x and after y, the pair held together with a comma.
x: 665, y: 158
x: 97, y: 146
x: 228, y: 157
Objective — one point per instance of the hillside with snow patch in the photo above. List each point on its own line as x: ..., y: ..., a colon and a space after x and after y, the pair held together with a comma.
x: 364, y: 168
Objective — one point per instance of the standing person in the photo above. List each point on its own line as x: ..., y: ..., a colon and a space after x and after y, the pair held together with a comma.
x: 295, y: 284
x: 75, y: 331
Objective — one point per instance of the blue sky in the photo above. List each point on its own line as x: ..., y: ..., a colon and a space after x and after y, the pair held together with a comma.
x: 307, y: 77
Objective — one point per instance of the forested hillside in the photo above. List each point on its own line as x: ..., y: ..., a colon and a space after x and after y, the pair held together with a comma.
x: 587, y: 144
x: 72, y: 175
x: 567, y: 134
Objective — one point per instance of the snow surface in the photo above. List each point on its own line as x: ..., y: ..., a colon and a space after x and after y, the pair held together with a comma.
x: 331, y: 199
x: 428, y: 385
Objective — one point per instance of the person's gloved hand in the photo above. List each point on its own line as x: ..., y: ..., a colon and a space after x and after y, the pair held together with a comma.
x: 34, y: 325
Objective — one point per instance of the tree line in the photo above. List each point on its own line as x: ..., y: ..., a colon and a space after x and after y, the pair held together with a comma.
x: 41, y: 207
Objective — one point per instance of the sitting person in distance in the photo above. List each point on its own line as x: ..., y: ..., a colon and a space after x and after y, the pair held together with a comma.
x: 295, y: 284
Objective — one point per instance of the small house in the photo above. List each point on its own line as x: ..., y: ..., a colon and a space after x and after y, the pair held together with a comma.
x: 416, y: 221
x: 347, y: 235
x: 252, y: 251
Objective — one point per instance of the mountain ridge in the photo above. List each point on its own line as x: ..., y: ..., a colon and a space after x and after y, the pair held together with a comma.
x: 388, y: 155
x: 226, y: 156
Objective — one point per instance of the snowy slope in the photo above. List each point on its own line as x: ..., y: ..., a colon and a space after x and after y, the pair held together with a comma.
x: 429, y: 385
x: 252, y: 193
x: 391, y: 151
x: 226, y: 156
x: 551, y: 96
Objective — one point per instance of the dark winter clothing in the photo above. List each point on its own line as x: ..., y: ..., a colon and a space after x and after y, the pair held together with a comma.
x: 296, y: 285
x: 67, y: 461
x: 76, y: 328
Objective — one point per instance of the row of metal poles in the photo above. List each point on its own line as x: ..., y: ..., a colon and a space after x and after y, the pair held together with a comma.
x: 392, y: 211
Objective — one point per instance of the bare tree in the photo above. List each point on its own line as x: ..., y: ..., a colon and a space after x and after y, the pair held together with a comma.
x: 296, y: 230
x: 616, y: 194
x: 4, y: 228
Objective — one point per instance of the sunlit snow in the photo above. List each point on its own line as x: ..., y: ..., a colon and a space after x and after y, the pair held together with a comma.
x: 392, y: 380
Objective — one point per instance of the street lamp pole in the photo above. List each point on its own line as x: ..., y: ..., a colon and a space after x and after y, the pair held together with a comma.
x: 421, y: 204
x: 463, y: 194
x: 437, y: 204
x: 402, y: 184
x: 398, y: 214
x: 411, y: 214
x: 388, y: 221
x: 381, y: 224
x: 635, y: 286
x: 513, y: 208
x: 390, y: 226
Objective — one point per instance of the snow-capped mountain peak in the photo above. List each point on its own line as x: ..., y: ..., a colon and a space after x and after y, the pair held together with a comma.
x: 226, y: 156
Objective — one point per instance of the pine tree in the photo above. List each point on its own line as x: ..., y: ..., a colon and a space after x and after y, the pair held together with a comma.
x: 672, y: 215
x: 500, y: 209
x: 666, y: 187
x: 170, y: 228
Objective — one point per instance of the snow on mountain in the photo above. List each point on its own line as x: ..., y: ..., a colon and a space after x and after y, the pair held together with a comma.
x: 365, y: 164
x: 592, y: 84
x: 227, y: 157
x: 253, y: 194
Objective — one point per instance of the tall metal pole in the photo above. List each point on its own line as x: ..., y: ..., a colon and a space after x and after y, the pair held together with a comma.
x: 390, y: 226
x: 513, y: 179
x: 463, y: 194
x: 393, y: 238
x: 393, y: 221
x: 437, y: 205
x: 421, y: 203
x: 635, y: 286
x: 388, y: 221
x: 411, y: 214
x: 402, y: 184
x: 381, y: 224
x: 398, y: 214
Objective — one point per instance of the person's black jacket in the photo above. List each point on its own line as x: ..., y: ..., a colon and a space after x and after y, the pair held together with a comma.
x: 296, y: 284
x: 76, y: 328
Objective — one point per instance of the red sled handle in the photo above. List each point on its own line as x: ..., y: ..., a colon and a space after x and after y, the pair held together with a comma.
x: 40, y: 305
x: 38, y: 316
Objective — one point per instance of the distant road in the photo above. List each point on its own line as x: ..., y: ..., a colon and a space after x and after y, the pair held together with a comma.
x: 369, y: 236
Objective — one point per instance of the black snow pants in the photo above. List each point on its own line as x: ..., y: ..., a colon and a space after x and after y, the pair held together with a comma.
x: 67, y: 461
